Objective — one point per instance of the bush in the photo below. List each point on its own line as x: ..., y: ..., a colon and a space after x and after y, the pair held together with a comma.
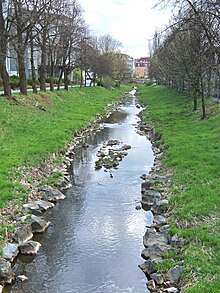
x: 14, y: 82
x: 107, y: 82
x: 14, y: 77
x: 148, y: 82
x: 47, y: 80
x: 55, y: 79
x: 29, y: 81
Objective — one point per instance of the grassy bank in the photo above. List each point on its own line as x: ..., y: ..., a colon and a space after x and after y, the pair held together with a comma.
x: 192, y: 152
x: 42, y: 124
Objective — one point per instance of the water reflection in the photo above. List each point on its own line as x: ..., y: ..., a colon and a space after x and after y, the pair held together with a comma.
x: 95, y: 239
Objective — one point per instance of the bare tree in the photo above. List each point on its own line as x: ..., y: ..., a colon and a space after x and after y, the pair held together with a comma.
x: 186, y: 59
x: 108, y: 45
x: 26, y: 14
x: 70, y: 32
x: 56, y: 31
x: 4, y: 29
x: 19, y: 39
x: 108, y: 48
x: 53, y: 49
x: 84, y: 57
x: 42, y: 28
x: 121, y: 71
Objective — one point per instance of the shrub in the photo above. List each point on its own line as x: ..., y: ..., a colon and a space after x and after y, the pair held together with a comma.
x: 14, y: 81
x: 29, y: 81
x: 106, y: 82
x: 148, y: 82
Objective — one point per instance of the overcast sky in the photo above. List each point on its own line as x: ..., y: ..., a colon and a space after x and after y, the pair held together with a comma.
x: 133, y: 22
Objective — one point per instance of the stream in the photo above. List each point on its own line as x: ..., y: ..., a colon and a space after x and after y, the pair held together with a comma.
x: 94, y: 241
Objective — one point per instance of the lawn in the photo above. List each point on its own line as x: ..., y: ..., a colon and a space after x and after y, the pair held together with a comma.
x: 192, y: 151
x: 41, y: 124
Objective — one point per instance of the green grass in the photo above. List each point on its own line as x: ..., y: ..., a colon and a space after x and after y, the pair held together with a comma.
x: 192, y: 151
x: 29, y: 135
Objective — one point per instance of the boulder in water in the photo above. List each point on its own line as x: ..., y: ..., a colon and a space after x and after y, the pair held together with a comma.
x: 10, y: 251
x: 6, y: 273
x: 23, y: 234
x: 38, y: 224
x: 29, y: 247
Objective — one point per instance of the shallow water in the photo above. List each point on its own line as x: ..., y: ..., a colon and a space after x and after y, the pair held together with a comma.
x: 95, y: 238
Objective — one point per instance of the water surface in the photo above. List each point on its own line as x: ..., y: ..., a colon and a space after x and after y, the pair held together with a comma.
x: 95, y: 239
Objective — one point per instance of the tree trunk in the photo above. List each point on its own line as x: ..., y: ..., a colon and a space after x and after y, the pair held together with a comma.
x: 203, y: 106
x: 51, y: 83
x: 209, y: 83
x: 217, y: 89
x: 60, y: 78
x: 81, y: 78
x: 51, y: 73
x: 66, y: 81
x: 202, y: 93
x: 195, y: 102
x: 33, y: 73
x: 5, y: 80
x: 94, y: 79
x: 5, y: 76
x: 85, y: 79
x: 21, y: 69
x: 20, y: 47
x: 3, y: 51
x: 43, y: 63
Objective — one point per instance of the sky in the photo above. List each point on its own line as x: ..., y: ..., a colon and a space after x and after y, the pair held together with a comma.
x: 132, y: 22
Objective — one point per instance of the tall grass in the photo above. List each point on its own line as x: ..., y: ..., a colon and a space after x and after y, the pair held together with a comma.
x: 192, y: 151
